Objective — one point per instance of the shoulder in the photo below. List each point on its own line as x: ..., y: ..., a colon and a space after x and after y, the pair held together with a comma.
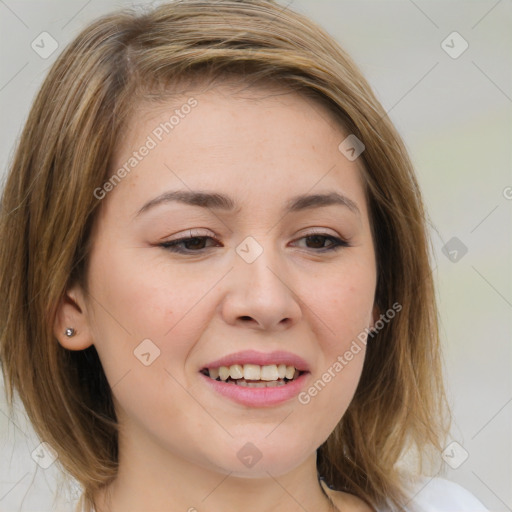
x: 441, y: 495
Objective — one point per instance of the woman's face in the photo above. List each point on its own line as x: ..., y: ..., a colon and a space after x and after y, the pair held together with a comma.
x: 278, y: 269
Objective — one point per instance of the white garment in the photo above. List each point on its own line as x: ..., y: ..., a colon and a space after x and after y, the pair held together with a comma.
x: 440, y: 495
x: 436, y: 495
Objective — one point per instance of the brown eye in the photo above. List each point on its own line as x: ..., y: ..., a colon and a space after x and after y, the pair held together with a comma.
x: 318, y: 241
x: 187, y: 245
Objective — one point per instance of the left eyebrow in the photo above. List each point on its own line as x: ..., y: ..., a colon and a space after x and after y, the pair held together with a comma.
x: 304, y: 202
x: 217, y: 201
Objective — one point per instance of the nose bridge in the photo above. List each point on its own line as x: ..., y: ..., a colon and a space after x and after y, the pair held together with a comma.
x: 257, y: 263
x: 259, y: 288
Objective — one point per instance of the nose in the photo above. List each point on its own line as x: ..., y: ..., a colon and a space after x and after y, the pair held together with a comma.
x: 260, y: 295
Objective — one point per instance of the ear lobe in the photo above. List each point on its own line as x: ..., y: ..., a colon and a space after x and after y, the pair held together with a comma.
x: 72, y: 313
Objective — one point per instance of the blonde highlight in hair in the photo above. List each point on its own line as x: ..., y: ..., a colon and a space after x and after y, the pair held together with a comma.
x: 49, y: 209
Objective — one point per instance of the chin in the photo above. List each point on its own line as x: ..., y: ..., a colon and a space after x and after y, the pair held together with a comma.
x: 250, y: 461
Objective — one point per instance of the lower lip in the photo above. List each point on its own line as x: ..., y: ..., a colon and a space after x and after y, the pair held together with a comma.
x: 258, y: 397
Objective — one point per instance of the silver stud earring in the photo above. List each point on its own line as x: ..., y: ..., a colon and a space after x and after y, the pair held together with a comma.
x: 70, y: 332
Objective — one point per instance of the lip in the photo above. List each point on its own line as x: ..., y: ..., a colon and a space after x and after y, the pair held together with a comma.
x: 261, y: 358
x: 258, y: 397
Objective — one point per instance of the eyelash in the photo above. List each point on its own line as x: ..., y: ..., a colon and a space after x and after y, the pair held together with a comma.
x: 174, y: 245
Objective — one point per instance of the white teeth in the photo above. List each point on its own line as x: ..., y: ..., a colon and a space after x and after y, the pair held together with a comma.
x: 269, y: 372
x: 213, y: 372
x: 223, y: 373
x: 270, y: 384
x: 252, y: 371
x: 236, y: 371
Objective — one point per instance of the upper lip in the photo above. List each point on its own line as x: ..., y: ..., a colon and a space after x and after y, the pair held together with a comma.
x: 261, y: 358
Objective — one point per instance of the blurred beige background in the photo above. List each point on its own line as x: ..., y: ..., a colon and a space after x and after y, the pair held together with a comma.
x: 450, y: 95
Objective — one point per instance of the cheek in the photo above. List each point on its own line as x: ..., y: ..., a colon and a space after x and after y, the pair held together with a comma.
x: 340, y: 309
x: 143, y: 308
x: 145, y: 296
x: 136, y: 300
x: 344, y: 302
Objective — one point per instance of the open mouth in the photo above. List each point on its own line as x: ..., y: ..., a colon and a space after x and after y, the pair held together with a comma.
x: 254, y: 375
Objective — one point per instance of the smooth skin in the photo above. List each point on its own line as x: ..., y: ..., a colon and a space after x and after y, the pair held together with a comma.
x: 178, y: 438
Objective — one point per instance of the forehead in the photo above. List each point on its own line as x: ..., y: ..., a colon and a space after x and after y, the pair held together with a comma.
x: 259, y: 141
x: 246, y: 109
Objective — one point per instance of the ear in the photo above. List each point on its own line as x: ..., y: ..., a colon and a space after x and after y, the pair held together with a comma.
x: 72, y: 313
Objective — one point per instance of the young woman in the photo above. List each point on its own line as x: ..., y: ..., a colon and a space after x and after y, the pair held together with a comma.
x: 215, y: 271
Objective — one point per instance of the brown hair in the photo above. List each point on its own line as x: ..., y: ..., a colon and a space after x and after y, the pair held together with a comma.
x: 48, y: 210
